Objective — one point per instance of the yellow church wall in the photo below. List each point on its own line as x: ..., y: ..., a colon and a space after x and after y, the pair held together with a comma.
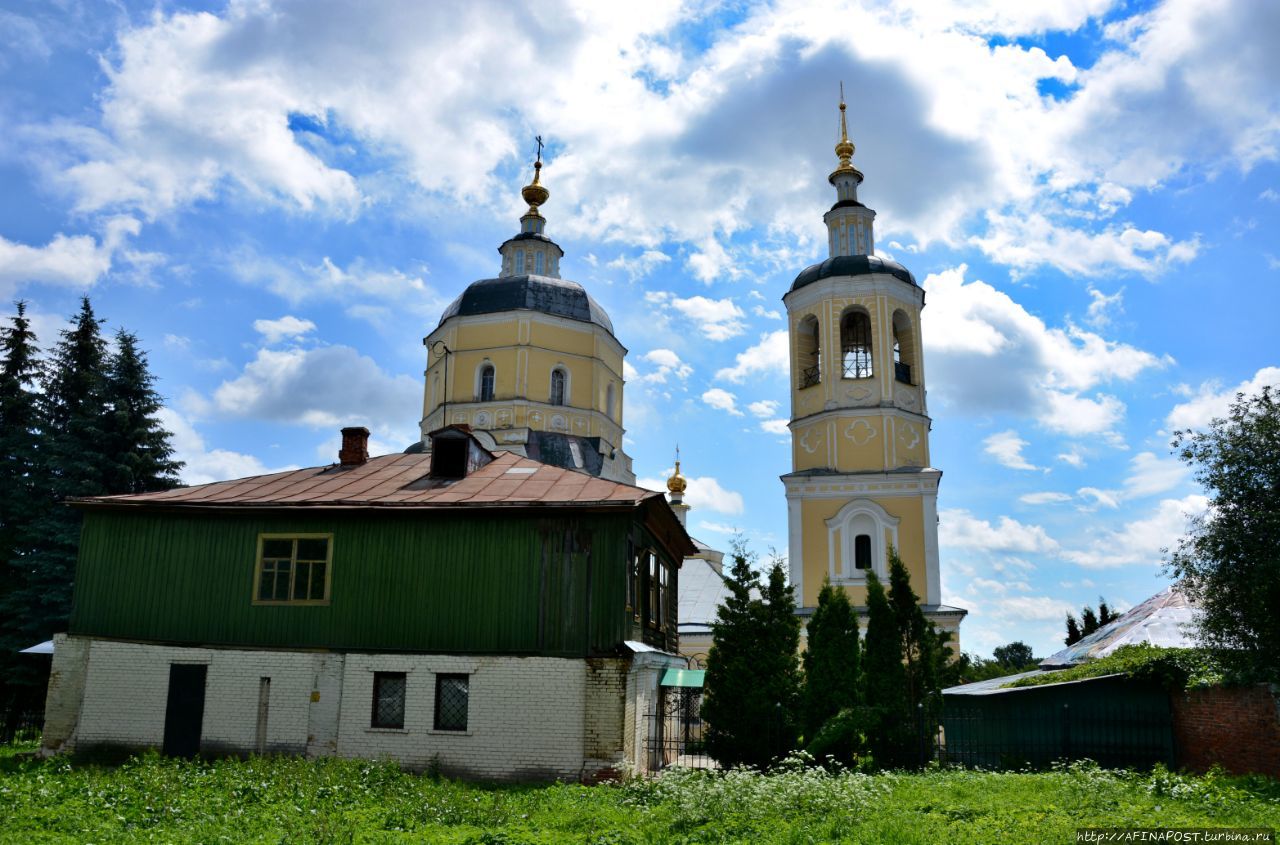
x: 561, y: 337
x: 581, y: 372
x: 814, y: 513
x: 484, y: 334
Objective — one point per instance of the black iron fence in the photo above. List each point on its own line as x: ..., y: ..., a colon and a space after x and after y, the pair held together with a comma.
x: 676, y: 734
x: 20, y: 725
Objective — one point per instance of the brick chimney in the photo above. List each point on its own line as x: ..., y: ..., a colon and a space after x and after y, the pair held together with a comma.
x: 355, y: 446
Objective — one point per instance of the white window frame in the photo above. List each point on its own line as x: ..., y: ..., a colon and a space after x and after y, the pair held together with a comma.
x: 568, y: 384
x: 841, y: 533
x: 479, y: 372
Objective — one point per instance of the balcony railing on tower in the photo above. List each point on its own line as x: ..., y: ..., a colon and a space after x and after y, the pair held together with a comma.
x: 902, y: 372
x: 810, y: 376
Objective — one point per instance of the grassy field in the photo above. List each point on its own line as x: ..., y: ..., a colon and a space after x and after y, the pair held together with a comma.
x: 152, y: 799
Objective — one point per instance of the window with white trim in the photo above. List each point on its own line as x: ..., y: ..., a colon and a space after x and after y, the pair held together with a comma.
x: 487, y: 375
x: 858, y: 539
x: 559, y: 391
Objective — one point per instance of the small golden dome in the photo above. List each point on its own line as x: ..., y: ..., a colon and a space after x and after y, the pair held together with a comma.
x: 534, y: 193
x: 676, y: 483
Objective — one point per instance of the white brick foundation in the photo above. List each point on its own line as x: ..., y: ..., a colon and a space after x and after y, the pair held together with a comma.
x: 529, y: 718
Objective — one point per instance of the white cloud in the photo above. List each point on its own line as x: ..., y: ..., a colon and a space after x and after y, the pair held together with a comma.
x: 1006, y: 447
x: 1141, y: 541
x: 1211, y: 400
x: 639, y: 266
x: 767, y: 313
x: 666, y: 362
x: 717, y: 319
x: 357, y: 285
x: 1102, y: 306
x: 1073, y: 457
x: 1033, y: 608
x: 1044, y: 498
x: 1051, y: 374
x: 274, y: 331
x: 204, y: 465
x: 959, y: 528
x: 702, y: 493
x: 768, y: 357
x: 1027, y: 241
x: 765, y: 408
x: 76, y: 261
x: 1150, y: 474
x: 778, y: 426
x: 327, y: 387
x: 722, y: 399
x: 1099, y: 498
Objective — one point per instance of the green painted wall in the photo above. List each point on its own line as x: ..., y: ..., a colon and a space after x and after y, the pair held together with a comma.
x: 405, y: 581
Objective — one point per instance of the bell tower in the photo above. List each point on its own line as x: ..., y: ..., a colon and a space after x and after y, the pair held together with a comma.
x: 861, y: 479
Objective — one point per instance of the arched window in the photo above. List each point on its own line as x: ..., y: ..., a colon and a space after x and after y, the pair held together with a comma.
x: 558, y: 392
x: 859, y: 536
x: 808, y: 352
x: 610, y: 398
x: 855, y: 344
x: 904, y: 348
x: 537, y: 263
x: 519, y: 262
x: 485, y: 391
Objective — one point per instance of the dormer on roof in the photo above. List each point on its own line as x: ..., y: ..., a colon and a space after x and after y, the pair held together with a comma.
x: 455, y: 453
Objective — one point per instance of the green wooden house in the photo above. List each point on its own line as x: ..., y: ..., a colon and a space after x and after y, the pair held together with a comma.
x: 500, y: 616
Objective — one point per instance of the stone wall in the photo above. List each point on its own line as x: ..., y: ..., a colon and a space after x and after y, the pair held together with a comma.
x: 1237, y: 728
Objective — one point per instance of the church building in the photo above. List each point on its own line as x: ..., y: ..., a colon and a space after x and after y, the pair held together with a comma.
x: 499, y: 601
x: 861, y: 479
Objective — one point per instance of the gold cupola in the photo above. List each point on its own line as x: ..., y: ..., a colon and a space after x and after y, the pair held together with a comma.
x: 844, y: 149
x: 676, y: 484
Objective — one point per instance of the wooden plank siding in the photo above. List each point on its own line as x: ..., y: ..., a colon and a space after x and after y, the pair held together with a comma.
x: 454, y: 582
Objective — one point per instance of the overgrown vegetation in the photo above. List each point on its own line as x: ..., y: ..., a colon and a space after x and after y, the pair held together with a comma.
x: 1174, y: 668
x: 261, y: 800
x: 1229, y: 562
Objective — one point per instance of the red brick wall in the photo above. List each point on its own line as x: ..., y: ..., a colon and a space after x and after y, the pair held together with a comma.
x: 1237, y: 728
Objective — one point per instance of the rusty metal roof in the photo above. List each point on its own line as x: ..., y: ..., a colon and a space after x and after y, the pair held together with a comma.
x: 398, y: 481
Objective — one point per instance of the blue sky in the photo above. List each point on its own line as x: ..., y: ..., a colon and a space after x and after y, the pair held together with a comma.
x: 280, y: 198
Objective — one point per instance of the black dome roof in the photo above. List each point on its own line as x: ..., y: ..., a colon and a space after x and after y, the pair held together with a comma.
x: 851, y: 265
x: 560, y: 297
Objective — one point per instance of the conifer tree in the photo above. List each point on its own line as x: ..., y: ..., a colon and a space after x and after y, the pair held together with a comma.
x: 1088, y: 621
x: 832, y: 663
x: 75, y: 454
x: 22, y: 495
x: 1073, y: 631
x: 141, y: 456
x: 752, y: 675
x: 884, y: 677
x: 1105, y: 614
x: 778, y: 664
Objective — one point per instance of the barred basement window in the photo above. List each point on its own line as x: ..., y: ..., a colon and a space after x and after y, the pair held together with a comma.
x: 293, y: 569
x: 452, y: 694
x: 388, y: 700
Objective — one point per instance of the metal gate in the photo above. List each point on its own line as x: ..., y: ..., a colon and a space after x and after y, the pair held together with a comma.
x: 675, y: 730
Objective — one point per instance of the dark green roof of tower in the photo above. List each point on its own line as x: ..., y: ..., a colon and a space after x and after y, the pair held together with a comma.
x: 560, y: 297
x: 851, y: 265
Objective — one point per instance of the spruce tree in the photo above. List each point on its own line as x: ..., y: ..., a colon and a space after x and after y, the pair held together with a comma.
x: 752, y: 679
x: 831, y: 660
x: 22, y: 495
x: 1105, y: 614
x: 778, y: 665
x: 1088, y: 621
x: 730, y: 680
x: 884, y: 678
x: 141, y: 458
x: 74, y: 448
x: 1073, y: 631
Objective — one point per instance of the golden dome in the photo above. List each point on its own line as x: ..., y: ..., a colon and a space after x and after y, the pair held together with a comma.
x: 844, y: 147
x: 676, y: 483
x: 534, y: 193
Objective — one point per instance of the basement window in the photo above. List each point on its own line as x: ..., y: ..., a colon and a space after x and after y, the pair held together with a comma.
x: 452, y: 699
x: 293, y: 569
x: 388, y: 700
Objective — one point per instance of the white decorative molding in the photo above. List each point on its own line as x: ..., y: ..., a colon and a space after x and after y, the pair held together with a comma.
x: 906, y: 397
x: 910, y: 435
x: 815, y: 435
x: 483, y: 418
x: 860, y: 432
x: 559, y: 423
x: 459, y: 417
x: 860, y: 516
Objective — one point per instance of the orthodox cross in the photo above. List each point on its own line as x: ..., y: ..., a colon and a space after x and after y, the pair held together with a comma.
x: 538, y: 138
